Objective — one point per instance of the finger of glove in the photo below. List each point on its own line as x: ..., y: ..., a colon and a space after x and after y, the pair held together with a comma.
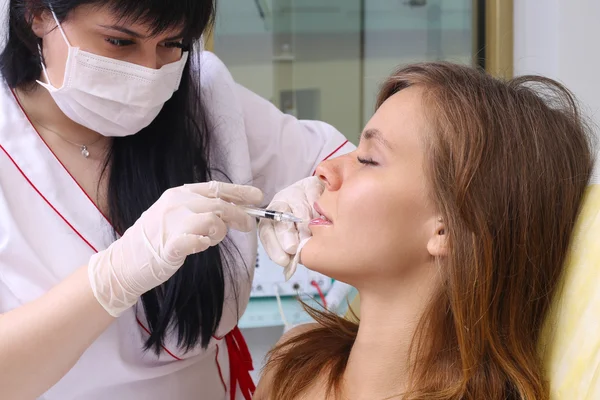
x: 232, y: 215
x: 270, y: 242
x: 313, y: 189
x: 305, y: 211
x: 206, y: 224
x: 238, y: 194
x: 291, y: 267
x: 183, y: 245
x: 286, y: 232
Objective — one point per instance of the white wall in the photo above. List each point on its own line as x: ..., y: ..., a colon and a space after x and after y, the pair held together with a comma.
x: 536, y: 34
x: 561, y: 39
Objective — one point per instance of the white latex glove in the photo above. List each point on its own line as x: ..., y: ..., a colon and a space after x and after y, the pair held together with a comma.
x: 283, y: 240
x: 185, y: 220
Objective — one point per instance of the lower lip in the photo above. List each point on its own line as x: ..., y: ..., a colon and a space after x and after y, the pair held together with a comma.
x: 320, y: 222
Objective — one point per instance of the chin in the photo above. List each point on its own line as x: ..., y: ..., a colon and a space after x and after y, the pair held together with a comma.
x: 326, y: 261
x: 315, y: 257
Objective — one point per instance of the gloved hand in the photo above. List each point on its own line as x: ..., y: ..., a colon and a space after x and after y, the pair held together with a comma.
x: 283, y: 240
x: 183, y: 221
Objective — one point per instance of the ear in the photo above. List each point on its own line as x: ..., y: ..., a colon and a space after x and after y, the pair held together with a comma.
x: 42, y: 23
x: 437, y: 246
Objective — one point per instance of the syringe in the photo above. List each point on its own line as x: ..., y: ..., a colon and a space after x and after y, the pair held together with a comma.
x: 270, y: 214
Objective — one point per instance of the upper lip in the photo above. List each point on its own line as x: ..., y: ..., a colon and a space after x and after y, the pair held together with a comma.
x: 319, y: 210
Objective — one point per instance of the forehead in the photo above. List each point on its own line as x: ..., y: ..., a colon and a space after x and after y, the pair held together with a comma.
x: 401, y: 118
x: 106, y: 15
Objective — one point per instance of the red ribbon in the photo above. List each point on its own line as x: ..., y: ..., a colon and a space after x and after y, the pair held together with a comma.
x: 240, y: 365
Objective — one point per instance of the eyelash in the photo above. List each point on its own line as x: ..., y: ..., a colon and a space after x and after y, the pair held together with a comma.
x: 119, y: 42
x: 367, y: 161
x: 126, y: 42
x: 174, y: 45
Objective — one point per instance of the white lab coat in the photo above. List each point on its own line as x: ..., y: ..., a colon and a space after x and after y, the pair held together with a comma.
x: 49, y: 227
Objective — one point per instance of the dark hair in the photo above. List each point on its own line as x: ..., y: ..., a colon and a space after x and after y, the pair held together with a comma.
x: 508, y: 163
x: 171, y: 151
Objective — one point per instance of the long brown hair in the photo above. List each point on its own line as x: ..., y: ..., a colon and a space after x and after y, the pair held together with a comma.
x: 508, y: 162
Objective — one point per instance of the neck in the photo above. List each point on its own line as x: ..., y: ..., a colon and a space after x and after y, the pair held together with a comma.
x: 379, y: 364
x: 49, y: 120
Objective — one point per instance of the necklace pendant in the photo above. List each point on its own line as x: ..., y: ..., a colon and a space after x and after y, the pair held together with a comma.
x: 84, y: 152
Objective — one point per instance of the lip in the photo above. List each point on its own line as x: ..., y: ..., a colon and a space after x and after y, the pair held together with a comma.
x: 320, y: 221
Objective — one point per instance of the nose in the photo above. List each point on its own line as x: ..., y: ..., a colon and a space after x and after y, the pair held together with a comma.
x: 154, y: 57
x: 330, y: 173
x: 157, y: 61
x: 149, y: 60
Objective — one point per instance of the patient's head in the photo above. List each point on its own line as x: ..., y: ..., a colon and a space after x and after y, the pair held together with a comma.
x: 475, y: 178
x: 464, y: 190
x: 382, y: 219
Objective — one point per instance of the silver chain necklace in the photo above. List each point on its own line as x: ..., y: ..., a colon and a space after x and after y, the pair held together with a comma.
x: 83, y: 148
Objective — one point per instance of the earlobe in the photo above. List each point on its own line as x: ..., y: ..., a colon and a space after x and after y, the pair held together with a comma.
x: 437, y: 245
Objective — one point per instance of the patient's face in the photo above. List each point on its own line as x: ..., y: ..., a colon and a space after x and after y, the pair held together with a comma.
x: 376, y: 200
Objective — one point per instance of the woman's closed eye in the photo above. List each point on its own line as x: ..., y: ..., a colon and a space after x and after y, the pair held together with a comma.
x: 367, y: 161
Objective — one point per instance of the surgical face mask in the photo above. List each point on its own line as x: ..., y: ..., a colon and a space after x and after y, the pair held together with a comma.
x: 112, y: 97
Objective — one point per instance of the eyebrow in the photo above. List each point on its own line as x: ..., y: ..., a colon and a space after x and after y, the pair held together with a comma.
x: 374, y: 134
x: 135, y: 34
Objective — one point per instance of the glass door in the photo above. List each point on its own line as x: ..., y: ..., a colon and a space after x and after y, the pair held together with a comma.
x: 324, y: 59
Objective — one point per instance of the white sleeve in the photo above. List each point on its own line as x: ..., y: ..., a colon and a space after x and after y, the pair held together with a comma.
x: 282, y: 148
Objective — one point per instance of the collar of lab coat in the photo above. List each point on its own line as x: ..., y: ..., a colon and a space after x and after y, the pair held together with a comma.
x: 48, y: 177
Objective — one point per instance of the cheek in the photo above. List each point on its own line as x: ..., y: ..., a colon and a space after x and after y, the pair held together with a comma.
x: 369, y: 211
x: 376, y: 231
x: 361, y: 234
x: 55, y: 56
